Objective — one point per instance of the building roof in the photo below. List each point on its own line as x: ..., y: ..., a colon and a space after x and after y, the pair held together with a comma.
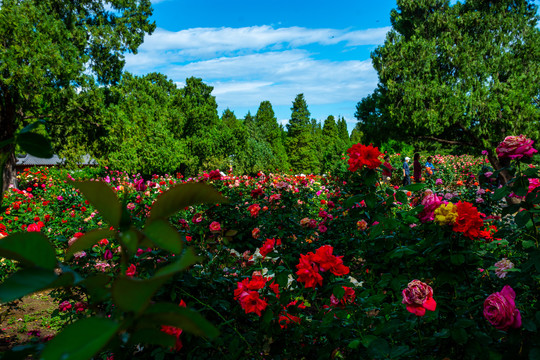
x: 30, y: 160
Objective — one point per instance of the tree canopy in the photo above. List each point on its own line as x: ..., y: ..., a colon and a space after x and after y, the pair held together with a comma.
x: 54, y: 51
x: 465, y: 74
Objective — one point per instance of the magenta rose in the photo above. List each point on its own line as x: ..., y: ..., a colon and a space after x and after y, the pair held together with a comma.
x: 500, y: 309
x: 515, y: 147
x: 215, y: 226
x: 418, y: 297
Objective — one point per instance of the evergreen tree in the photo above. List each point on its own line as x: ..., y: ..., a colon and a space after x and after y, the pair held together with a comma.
x: 202, y: 126
x: 269, y: 131
x: 333, y: 145
x: 300, y: 145
x: 356, y: 135
x: 330, y: 130
x: 343, y: 132
x: 249, y: 123
x: 228, y: 118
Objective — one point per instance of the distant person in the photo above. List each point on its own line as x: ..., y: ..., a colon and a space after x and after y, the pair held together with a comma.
x: 417, y: 168
x: 430, y: 169
x: 387, y: 169
x: 406, y: 172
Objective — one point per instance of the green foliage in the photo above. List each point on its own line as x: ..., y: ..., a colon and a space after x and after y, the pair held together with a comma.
x: 131, y: 297
x: 463, y: 74
x: 301, y: 147
x: 53, y: 54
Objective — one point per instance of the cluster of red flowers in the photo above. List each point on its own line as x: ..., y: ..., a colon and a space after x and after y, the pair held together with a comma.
x: 247, y: 293
x: 268, y: 246
x: 360, y: 155
x: 322, y: 260
x: 468, y: 220
x: 254, y: 209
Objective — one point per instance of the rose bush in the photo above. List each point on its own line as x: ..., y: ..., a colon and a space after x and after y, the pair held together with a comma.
x: 319, y: 266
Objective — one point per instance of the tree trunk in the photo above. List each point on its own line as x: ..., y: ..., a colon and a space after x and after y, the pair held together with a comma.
x: 504, y: 176
x: 7, y: 131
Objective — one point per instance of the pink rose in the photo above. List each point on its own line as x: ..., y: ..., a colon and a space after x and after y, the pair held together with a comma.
x: 131, y: 271
x: 418, y: 297
x: 515, y: 147
x: 215, y: 226
x: 500, y: 309
x: 431, y: 202
x: 64, y: 306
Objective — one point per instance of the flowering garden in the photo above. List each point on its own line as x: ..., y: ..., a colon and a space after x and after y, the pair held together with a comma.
x: 341, y: 266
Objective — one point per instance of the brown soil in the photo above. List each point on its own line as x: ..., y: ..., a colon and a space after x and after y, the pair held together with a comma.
x: 26, y: 319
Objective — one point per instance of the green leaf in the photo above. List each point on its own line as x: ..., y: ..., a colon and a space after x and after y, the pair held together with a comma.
x: 33, y: 126
x: 164, y: 235
x: 187, y: 259
x: 457, y: 259
x: 30, y: 280
x: 534, y: 354
x: 97, y: 287
x: 353, y: 200
x: 354, y: 344
x: 527, y: 244
x: 103, y: 198
x: 133, y: 294
x: 414, y: 187
x: 459, y: 335
x: 500, y: 193
x: 130, y: 239
x: 521, y: 186
x: 338, y: 292
x: 402, y: 197
x: 88, y: 240
x: 267, y: 317
x: 35, y: 144
x: 81, y: 340
x: 400, y: 252
x: 181, y: 196
x: 186, y: 319
x: 397, y: 351
x: 30, y: 248
x: 444, y: 333
x: 379, y: 348
x: 522, y: 218
x: 534, y: 196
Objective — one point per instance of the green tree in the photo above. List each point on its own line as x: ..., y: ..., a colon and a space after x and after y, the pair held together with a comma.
x: 53, y: 52
x: 465, y: 74
x: 202, y: 124
x: 269, y: 131
x: 301, y: 149
x: 228, y: 118
x: 144, y: 126
x: 357, y: 136
x: 343, y: 132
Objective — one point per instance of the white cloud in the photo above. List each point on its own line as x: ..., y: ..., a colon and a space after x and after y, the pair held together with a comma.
x: 251, y: 64
x: 212, y: 41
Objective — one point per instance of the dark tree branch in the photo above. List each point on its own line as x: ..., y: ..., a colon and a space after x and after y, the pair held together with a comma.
x: 450, y: 142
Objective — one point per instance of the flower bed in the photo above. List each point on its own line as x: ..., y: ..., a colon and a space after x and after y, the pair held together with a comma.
x: 314, y: 266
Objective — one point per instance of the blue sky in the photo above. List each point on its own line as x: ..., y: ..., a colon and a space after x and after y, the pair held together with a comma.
x: 251, y: 51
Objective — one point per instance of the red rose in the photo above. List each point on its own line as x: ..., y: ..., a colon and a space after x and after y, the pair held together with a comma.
x: 418, y: 297
x: 360, y: 155
x: 468, y: 220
